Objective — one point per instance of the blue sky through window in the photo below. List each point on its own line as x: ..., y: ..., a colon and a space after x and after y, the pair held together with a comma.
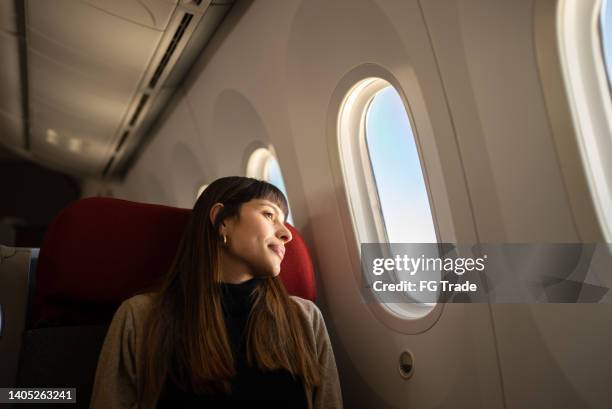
x: 397, y: 171
x: 606, y: 29
x: 276, y: 178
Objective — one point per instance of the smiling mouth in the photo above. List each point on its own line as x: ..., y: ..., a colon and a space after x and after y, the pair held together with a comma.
x: 279, y: 250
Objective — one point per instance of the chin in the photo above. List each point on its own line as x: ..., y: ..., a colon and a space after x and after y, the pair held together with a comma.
x: 273, y: 272
x: 268, y: 271
x: 273, y: 269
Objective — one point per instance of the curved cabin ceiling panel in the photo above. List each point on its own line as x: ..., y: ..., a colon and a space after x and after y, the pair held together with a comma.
x: 70, y: 91
x: 85, y: 65
x: 67, y: 150
x: 65, y: 124
x: 151, y: 13
x: 81, y: 29
x: 83, y: 81
x: 98, y: 67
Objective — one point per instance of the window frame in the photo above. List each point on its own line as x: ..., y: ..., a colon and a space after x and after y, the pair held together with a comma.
x: 584, y: 74
x: 201, y: 190
x: 362, y: 217
x: 257, y: 167
x: 369, y: 170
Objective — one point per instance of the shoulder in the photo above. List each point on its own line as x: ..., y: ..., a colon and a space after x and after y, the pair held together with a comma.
x: 136, y: 305
x: 139, y: 303
x: 309, y: 310
x: 304, y: 304
x: 133, y: 311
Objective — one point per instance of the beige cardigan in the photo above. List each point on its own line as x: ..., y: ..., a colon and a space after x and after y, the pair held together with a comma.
x: 119, y: 366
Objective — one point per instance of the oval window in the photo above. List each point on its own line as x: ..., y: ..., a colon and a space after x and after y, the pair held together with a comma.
x: 386, y: 185
x: 397, y: 171
x: 200, y: 190
x: 263, y: 165
x: 606, y: 36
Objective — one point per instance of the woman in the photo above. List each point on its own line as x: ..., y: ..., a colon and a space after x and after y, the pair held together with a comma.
x: 221, y: 330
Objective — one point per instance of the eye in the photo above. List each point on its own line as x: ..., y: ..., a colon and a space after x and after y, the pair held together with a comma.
x: 269, y: 215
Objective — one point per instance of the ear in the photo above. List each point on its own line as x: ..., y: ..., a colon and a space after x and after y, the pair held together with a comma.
x: 214, y: 211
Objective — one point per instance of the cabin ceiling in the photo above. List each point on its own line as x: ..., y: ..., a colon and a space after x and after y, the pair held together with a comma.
x: 83, y: 81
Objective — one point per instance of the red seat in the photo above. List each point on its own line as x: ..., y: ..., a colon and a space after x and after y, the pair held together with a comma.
x: 100, y: 251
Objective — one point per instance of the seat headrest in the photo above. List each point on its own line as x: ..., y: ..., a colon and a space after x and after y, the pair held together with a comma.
x: 100, y: 251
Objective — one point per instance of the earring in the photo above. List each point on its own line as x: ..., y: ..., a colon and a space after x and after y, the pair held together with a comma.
x: 224, y: 240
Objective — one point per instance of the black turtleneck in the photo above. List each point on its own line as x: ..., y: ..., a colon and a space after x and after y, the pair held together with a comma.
x: 250, y: 386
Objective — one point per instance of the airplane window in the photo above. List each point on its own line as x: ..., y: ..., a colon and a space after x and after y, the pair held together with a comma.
x: 584, y: 36
x: 384, y: 178
x: 606, y: 40
x: 264, y: 165
x: 606, y: 37
x: 275, y: 177
x: 201, y: 189
x: 586, y: 58
x: 397, y: 170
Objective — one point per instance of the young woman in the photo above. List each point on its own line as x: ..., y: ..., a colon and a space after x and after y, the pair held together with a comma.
x: 221, y: 330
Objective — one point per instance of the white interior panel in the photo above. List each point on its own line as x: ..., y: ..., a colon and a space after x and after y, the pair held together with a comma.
x: 78, y: 27
x: 151, y: 13
x: 555, y: 355
x: 85, y: 64
x: 116, y: 72
x: 550, y: 355
x: 186, y: 171
x: 163, y: 170
x: 67, y: 126
x: 96, y: 70
x: 270, y: 81
x: 77, y: 94
x: 269, y: 77
x: 88, y: 157
x: 487, y: 60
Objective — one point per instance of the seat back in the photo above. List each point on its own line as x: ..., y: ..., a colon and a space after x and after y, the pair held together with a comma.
x: 97, y: 253
x: 16, y: 278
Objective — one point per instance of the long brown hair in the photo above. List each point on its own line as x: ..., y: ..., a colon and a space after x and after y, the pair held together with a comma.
x: 185, y: 339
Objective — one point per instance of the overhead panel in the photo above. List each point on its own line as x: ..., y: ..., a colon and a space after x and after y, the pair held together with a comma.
x: 86, y: 61
x: 189, y: 30
x: 83, y: 81
x: 152, y: 13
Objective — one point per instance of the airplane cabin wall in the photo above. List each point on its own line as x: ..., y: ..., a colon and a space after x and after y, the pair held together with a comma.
x: 268, y: 78
x: 551, y: 355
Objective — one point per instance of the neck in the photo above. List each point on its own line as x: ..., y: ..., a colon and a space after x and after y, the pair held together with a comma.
x: 234, y: 270
x: 235, y: 279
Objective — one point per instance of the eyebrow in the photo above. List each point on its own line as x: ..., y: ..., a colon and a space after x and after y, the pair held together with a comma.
x: 277, y: 209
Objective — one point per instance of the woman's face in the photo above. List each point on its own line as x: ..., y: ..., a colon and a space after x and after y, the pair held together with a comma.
x: 255, y: 241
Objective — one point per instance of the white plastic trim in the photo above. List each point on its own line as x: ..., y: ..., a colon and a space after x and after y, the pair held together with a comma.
x: 257, y: 165
x: 201, y: 189
x: 584, y: 74
x: 356, y: 186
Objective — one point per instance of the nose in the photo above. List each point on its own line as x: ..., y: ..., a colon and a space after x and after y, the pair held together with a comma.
x: 284, y: 234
